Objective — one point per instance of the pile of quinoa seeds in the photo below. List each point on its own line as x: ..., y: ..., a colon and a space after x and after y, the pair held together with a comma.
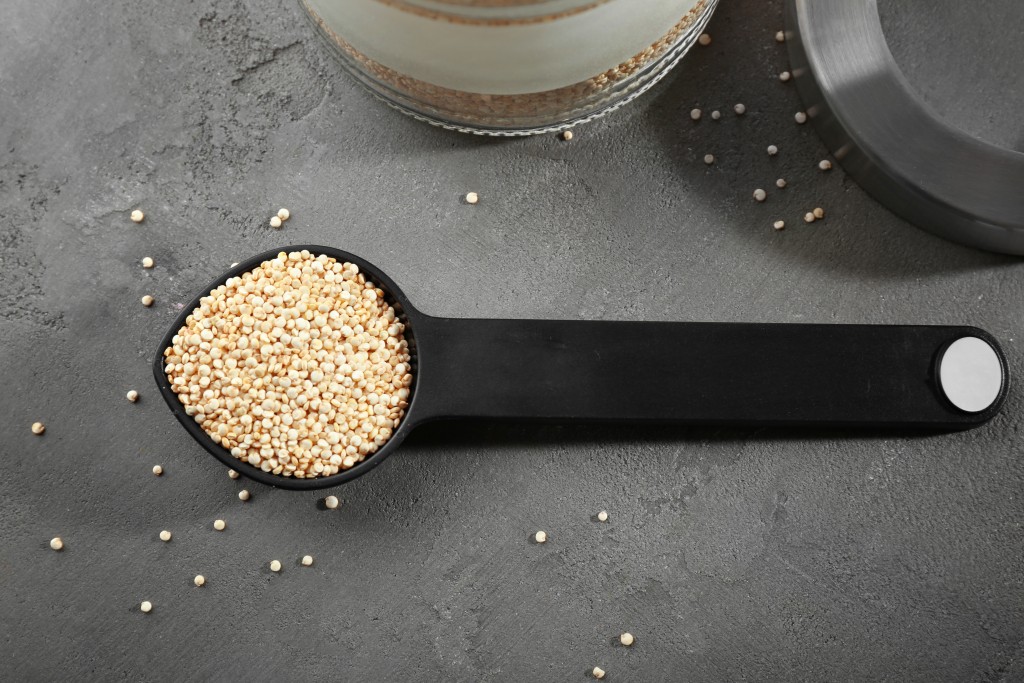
x: 298, y: 367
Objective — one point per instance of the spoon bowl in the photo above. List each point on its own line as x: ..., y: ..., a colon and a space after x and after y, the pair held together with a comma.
x: 403, y: 310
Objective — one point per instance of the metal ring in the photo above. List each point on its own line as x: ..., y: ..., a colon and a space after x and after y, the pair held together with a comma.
x: 892, y: 143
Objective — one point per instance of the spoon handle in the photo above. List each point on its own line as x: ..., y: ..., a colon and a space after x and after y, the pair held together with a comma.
x: 706, y: 373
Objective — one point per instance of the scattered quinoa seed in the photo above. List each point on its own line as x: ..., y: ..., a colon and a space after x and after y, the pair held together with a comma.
x: 825, y: 165
x: 275, y: 565
x: 199, y: 580
x: 598, y: 672
x: 626, y: 639
x: 780, y: 183
x: 275, y: 222
x: 232, y: 474
x: 165, y: 535
x: 137, y: 216
x: 808, y: 217
x: 234, y: 264
x: 38, y: 428
x: 602, y: 516
x: 709, y: 159
x: 760, y: 195
x: 740, y: 109
x: 243, y: 495
x: 705, y: 39
x: 307, y: 560
x: 819, y: 212
x: 146, y: 606
x: 219, y: 524
x: 132, y: 396
x: 780, y: 37
x: 157, y: 470
x: 147, y: 262
x: 284, y: 214
x: 472, y: 197
x: 800, y: 117
x: 716, y: 115
x: 56, y: 543
x: 695, y: 114
x: 147, y: 301
x: 567, y: 135
x: 540, y: 537
x: 785, y: 76
x: 779, y: 225
x: 772, y: 150
x: 331, y: 502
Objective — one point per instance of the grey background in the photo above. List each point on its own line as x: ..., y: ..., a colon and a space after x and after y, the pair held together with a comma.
x: 730, y: 554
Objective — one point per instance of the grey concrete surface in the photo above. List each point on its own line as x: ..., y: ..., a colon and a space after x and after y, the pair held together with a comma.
x: 730, y: 554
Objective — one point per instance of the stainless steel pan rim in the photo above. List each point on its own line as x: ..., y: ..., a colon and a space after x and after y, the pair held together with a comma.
x: 889, y: 141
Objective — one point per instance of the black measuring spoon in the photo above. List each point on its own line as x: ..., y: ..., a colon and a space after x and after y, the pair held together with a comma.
x: 875, y: 376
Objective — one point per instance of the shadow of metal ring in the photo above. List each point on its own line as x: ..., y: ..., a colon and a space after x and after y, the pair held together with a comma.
x: 889, y: 141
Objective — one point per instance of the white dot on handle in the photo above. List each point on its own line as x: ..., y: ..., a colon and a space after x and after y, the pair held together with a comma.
x: 970, y: 374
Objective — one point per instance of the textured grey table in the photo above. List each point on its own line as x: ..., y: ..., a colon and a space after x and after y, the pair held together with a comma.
x: 730, y: 554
